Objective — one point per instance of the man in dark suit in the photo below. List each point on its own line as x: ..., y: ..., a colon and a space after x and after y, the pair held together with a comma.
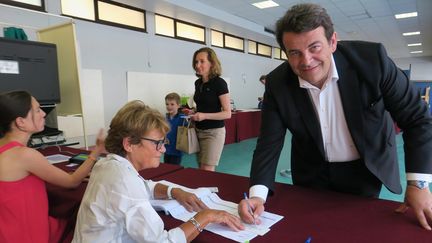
x: 338, y: 101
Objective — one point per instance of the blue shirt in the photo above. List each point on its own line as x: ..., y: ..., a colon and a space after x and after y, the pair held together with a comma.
x: 172, y: 134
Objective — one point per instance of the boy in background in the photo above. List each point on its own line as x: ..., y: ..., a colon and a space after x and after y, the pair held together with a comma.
x: 172, y: 103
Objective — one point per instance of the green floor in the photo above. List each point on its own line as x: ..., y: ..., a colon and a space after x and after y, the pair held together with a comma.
x: 236, y: 159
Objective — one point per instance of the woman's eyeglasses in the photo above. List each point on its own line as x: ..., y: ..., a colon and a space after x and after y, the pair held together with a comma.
x: 158, y: 143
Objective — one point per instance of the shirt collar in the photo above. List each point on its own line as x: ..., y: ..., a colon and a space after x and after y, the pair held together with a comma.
x: 123, y: 161
x: 333, y: 77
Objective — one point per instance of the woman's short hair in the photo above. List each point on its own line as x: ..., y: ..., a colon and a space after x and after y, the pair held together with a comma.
x: 13, y: 104
x: 132, y: 121
x: 216, y: 68
x: 303, y: 18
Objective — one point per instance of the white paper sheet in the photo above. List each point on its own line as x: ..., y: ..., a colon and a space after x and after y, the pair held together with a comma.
x: 57, y: 158
x: 213, y: 201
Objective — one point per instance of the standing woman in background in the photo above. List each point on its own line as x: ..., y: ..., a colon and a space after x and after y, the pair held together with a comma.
x: 213, y: 107
x: 24, y: 171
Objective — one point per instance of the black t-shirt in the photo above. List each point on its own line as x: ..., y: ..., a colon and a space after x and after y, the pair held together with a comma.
x: 207, y: 99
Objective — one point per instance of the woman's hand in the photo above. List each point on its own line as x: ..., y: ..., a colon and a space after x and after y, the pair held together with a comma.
x: 189, y: 200
x: 220, y: 217
x: 100, y: 141
x: 198, y: 116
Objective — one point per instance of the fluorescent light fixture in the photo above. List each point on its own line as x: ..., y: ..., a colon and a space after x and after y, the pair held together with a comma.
x: 415, y: 44
x: 415, y: 52
x: 406, y: 15
x: 265, y: 4
x: 411, y: 33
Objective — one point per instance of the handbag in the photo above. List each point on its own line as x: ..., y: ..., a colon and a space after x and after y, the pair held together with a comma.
x: 187, y: 140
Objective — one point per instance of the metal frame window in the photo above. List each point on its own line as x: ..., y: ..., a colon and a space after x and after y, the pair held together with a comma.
x: 227, y: 41
x: 260, y: 49
x: 106, y: 12
x: 279, y: 54
x: 178, y: 29
x: 38, y: 5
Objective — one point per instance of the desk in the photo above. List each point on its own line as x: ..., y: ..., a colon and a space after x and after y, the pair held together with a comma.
x: 248, y: 124
x: 231, y: 129
x: 323, y: 215
x: 63, y: 202
x: 243, y: 124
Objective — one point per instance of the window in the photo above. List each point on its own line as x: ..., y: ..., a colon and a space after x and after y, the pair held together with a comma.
x: 283, y: 55
x: 178, y: 29
x: 227, y: 41
x: 264, y: 50
x: 279, y: 54
x: 29, y: 4
x: 188, y: 31
x: 259, y: 49
x: 164, y: 25
x: 119, y: 14
x: 252, y: 47
x: 217, y: 38
x: 83, y: 9
x: 106, y: 12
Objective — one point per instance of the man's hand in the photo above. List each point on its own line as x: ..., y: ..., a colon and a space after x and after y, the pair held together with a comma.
x: 420, y: 200
x: 256, y: 205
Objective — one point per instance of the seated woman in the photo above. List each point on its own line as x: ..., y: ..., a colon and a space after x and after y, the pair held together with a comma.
x: 24, y: 171
x: 116, y: 206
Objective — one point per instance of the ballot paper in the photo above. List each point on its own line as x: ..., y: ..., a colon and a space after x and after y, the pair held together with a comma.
x: 57, y: 158
x: 213, y: 201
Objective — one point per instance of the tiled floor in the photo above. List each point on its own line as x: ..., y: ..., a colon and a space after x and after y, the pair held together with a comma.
x: 236, y: 159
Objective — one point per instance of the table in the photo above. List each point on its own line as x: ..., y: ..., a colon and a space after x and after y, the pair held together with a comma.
x: 231, y: 129
x: 325, y: 216
x: 243, y: 124
x: 248, y: 124
x: 64, y: 202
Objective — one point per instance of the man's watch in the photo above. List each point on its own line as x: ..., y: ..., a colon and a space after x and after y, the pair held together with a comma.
x: 419, y: 184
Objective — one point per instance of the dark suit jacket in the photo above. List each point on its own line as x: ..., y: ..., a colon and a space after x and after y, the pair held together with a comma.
x: 373, y: 91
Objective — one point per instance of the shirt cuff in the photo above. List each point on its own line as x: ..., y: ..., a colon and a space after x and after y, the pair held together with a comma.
x: 419, y: 177
x: 260, y: 191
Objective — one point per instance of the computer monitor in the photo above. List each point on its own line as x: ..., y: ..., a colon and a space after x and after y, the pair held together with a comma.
x: 30, y: 66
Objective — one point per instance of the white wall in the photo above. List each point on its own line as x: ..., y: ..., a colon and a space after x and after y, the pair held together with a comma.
x: 420, y: 67
x: 116, y: 51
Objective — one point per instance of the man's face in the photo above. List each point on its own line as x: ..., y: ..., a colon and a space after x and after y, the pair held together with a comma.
x: 309, y: 54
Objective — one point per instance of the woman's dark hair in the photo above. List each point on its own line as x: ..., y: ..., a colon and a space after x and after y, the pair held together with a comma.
x: 303, y: 18
x: 13, y: 104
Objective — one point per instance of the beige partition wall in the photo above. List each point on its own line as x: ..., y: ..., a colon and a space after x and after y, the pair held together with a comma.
x: 69, y: 70
x: 64, y: 37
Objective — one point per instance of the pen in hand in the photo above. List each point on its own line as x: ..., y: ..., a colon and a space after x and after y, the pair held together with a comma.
x: 249, y: 207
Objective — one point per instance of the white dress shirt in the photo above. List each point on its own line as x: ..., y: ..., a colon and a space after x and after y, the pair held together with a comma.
x: 337, y: 140
x: 116, y: 207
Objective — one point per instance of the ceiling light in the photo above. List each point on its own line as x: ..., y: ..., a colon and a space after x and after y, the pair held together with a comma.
x: 406, y: 15
x: 415, y: 44
x: 411, y: 33
x: 414, y: 52
x: 265, y: 4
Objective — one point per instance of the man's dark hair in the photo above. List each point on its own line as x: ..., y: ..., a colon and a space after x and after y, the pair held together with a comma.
x: 303, y: 18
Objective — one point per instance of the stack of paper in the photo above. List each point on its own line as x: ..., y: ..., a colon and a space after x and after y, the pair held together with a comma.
x: 213, y: 201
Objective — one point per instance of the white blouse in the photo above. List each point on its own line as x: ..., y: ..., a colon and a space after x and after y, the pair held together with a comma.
x: 116, y: 207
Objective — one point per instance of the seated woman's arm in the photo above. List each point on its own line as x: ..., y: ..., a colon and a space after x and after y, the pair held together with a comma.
x: 38, y: 165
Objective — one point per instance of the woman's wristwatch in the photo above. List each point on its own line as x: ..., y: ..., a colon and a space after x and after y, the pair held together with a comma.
x: 419, y: 184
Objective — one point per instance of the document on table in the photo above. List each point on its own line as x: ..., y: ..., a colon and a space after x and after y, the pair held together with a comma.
x: 57, y: 158
x: 213, y: 201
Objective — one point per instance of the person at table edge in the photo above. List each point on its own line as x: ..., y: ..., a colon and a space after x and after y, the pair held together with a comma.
x: 338, y: 100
